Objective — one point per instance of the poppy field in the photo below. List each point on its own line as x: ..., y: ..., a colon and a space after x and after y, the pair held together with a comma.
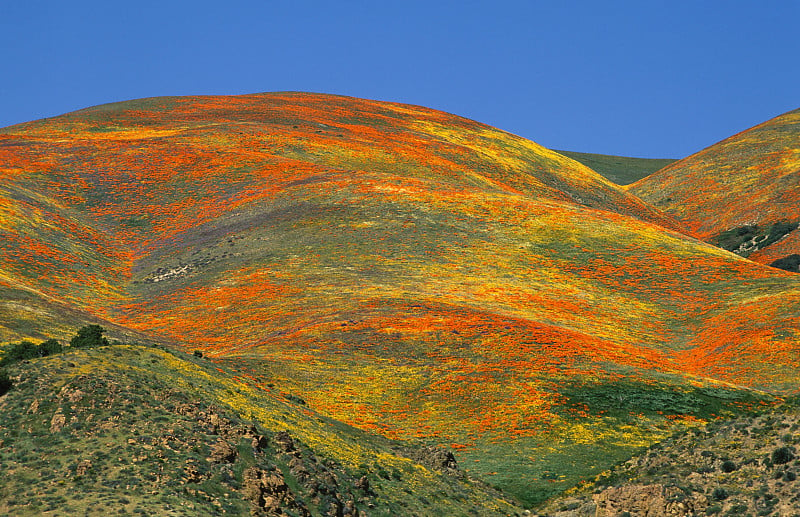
x: 406, y: 271
x: 749, y: 179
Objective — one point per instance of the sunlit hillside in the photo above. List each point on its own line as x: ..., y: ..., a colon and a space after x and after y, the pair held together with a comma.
x: 407, y: 271
x: 741, y: 193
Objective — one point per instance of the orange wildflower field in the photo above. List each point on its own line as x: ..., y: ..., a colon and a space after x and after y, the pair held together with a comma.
x: 409, y: 272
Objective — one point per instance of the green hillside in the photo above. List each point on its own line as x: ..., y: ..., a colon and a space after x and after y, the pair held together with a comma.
x: 743, y: 466
x: 619, y: 169
x: 140, y: 430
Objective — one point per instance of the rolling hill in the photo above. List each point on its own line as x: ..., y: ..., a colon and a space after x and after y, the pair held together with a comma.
x: 741, y: 193
x: 405, y: 271
x: 622, y: 170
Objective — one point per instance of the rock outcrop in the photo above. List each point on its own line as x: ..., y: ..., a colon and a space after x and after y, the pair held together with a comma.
x: 647, y: 501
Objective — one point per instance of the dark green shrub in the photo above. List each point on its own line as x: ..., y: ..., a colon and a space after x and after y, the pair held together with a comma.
x: 294, y: 398
x: 790, y: 476
x: 198, y: 354
x: 50, y: 347
x: 89, y: 336
x: 5, y: 382
x: 732, y: 239
x: 737, y: 509
x: 20, y: 352
x: 782, y: 455
x: 788, y: 263
x: 728, y: 466
x: 719, y: 494
x: 713, y: 510
x: 777, y: 231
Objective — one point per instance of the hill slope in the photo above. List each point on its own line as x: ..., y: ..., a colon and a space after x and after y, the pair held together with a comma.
x: 743, y: 466
x: 131, y: 428
x: 741, y: 193
x: 406, y: 271
x: 621, y: 170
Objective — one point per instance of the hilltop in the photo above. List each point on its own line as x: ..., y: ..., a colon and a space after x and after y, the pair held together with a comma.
x: 741, y: 193
x: 405, y: 271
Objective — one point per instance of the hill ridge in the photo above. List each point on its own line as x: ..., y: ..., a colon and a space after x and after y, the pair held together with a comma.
x: 739, y: 191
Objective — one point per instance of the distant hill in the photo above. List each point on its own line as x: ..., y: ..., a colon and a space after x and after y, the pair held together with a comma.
x: 619, y: 169
x: 405, y: 271
x: 742, y: 193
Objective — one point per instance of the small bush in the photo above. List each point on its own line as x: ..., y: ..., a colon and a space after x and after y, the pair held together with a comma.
x: 737, y: 509
x: 788, y: 263
x: 719, y: 494
x: 89, y: 336
x: 197, y: 353
x: 50, y: 347
x: 5, y: 382
x: 26, y: 350
x: 790, y: 476
x: 782, y: 455
x: 728, y: 466
x: 294, y: 398
x: 20, y: 352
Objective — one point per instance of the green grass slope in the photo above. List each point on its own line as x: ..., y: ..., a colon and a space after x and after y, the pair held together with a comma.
x: 622, y: 170
x: 404, y: 271
x: 741, y: 193
x: 138, y: 430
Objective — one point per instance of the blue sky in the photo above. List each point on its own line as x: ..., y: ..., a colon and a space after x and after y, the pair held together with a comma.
x: 637, y: 78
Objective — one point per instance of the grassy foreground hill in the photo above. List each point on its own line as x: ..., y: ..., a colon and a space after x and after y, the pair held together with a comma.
x: 741, y: 193
x: 405, y: 271
x: 140, y: 430
x: 743, y: 466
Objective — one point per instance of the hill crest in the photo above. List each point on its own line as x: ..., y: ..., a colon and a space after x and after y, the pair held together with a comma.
x: 745, y: 185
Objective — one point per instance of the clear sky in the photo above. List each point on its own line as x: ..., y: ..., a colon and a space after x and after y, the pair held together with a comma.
x: 637, y: 78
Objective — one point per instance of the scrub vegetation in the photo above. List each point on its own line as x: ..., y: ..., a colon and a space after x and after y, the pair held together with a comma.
x: 129, y: 429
